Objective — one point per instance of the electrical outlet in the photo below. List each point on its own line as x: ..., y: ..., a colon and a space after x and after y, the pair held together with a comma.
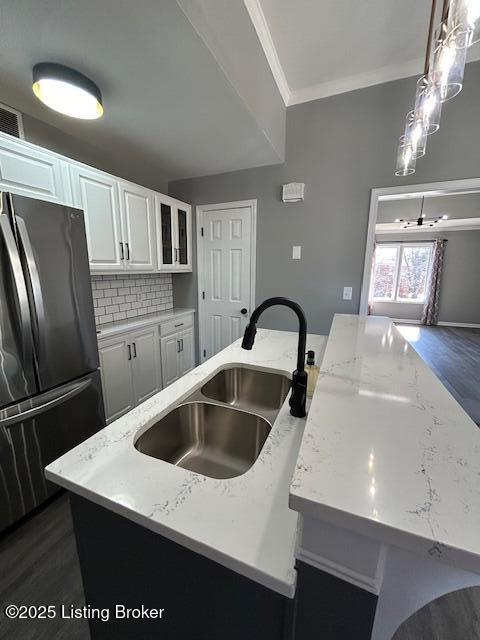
x: 347, y: 293
x: 296, y: 253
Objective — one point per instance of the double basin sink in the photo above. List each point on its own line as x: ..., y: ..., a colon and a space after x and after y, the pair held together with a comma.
x: 219, y: 430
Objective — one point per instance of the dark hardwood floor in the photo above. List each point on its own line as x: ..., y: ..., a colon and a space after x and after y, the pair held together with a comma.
x: 39, y: 565
x: 453, y: 353
x: 455, y: 616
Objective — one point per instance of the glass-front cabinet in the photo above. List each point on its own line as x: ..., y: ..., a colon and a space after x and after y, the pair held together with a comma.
x: 174, y: 234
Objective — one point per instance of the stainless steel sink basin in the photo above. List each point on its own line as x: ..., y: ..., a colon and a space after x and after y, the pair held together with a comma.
x: 249, y: 388
x: 214, y: 440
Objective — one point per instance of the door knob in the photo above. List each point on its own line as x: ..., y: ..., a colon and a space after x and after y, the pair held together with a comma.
x: 243, y: 311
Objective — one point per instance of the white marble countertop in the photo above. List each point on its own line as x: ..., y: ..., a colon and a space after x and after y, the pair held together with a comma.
x: 110, y: 329
x: 387, y: 451
x: 244, y: 523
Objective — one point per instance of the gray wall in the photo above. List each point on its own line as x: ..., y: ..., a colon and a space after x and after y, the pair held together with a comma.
x: 340, y: 147
x: 459, y: 293
x: 119, y: 165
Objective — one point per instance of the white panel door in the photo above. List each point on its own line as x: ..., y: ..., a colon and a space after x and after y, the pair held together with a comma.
x: 145, y: 350
x: 97, y: 194
x: 186, y: 360
x: 116, y: 371
x: 226, y: 267
x: 29, y: 171
x: 137, y: 208
x: 170, y: 349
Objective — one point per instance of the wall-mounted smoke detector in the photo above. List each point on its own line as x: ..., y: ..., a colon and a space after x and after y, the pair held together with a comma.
x: 293, y: 192
x: 11, y: 121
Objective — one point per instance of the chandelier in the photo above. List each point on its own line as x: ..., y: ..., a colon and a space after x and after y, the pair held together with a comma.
x: 442, y: 77
x: 422, y: 220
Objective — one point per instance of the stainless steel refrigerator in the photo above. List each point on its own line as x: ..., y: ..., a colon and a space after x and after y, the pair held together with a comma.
x: 50, y: 389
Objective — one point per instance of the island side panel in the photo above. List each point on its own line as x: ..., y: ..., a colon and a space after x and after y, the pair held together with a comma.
x: 329, y: 608
x: 124, y: 563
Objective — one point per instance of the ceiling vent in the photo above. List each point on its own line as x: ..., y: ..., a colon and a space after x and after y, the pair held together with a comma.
x: 11, y: 121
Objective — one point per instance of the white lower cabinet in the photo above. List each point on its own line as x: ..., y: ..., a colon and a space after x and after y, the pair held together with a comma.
x: 134, y: 364
x: 130, y: 369
x: 116, y: 377
x: 178, y: 357
x: 169, y: 349
x: 145, y: 364
x: 187, y: 352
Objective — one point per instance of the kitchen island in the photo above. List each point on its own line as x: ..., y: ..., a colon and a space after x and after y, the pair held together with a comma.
x: 144, y: 524
x: 387, y: 482
x: 384, y: 495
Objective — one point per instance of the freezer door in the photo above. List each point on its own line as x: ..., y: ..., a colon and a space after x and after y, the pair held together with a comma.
x: 36, y: 432
x: 17, y: 378
x: 53, y: 248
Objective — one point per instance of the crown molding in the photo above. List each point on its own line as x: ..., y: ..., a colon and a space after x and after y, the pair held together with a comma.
x: 358, y: 81
x: 259, y: 21
x: 334, y: 87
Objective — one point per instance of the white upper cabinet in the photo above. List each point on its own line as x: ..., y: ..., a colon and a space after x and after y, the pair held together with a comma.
x: 97, y: 195
x: 183, y: 236
x: 174, y: 234
x: 30, y: 171
x: 138, y: 224
x: 128, y: 227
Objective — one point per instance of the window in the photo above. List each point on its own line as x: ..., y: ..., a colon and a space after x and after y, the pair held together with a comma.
x: 401, y: 271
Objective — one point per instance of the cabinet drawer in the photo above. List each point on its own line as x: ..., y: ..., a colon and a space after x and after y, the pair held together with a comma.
x: 166, y: 328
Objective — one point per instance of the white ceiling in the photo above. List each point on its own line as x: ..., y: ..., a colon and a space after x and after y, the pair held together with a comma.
x: 168, y: 101
x: 318, y: 48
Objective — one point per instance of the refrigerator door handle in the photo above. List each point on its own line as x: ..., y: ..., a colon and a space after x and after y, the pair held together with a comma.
x: 28, y: 409
x: 35, y: 285
x: 20, y: 286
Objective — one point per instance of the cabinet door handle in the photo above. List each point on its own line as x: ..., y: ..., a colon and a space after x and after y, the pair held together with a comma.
x: 134, y: 349
x: 122, y: 254
x: 178, y: 346
x: 181, y: 344
x: 127, y: 246
x: 176, y: 255
x: 129, y: 352
x: 179, y: 325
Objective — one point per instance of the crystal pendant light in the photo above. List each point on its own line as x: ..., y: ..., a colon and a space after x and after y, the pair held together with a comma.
x: 428, y: 103
x: 406, y: 160
x: 449, y: 66
x: 415, y: 135
x: 442, y: 79
x: 464, y: 21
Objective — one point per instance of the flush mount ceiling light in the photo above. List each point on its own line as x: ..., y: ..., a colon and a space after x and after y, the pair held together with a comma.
x: 442, y: 78
x: 67, y: 91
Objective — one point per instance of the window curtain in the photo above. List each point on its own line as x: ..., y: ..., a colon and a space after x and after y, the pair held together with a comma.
x: 372, y: 277
x: 430, y: 309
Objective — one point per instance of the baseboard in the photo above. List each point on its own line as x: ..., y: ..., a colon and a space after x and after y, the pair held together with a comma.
x: 367, y: 583
x: 465, y: 325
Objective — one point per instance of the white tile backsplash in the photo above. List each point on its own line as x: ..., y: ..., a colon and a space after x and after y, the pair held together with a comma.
x: 118, y: 297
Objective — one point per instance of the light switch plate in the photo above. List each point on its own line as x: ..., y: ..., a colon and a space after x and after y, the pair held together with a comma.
x: 347, y: 293
x: 296, y: 253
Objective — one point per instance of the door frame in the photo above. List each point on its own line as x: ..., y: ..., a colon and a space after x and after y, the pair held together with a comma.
x: 445, y: 187
x: 201, y: 210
